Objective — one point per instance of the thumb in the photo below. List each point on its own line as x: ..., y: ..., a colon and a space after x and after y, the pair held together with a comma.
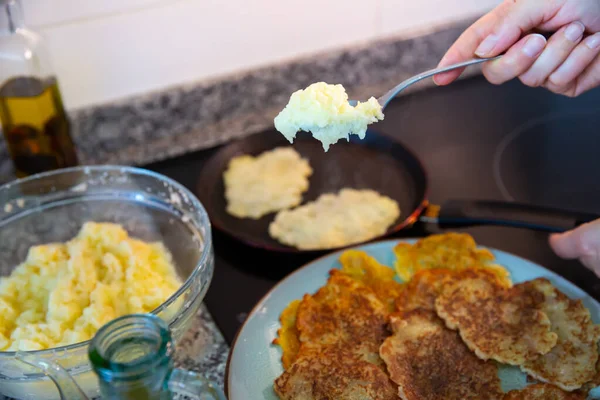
x: 582, y: 243
x: 494, y: 33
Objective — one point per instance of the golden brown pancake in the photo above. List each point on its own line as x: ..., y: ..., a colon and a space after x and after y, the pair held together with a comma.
x: 449, y: 250
x: 365, y: 269
x: 344, y: 311
x: 542, y: 391
x: 333, y: 373
x: 427, y: 284
x: 430, y: 362
x: 572, y: 362
x: 505, y: 325
x: 340, y: 329
x: 287, y: 335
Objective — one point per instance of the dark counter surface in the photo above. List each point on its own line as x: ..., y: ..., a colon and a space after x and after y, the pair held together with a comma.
x: 477, y: 141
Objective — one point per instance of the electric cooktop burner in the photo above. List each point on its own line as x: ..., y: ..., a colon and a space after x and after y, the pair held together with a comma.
x: 535, y: 164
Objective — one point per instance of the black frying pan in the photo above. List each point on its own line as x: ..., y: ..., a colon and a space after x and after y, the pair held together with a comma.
x: 377, y: 162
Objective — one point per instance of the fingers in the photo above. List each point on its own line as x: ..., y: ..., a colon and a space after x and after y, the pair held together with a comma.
x: 567, y: 65
x: 566, y: 245
x: 516, y: 61
x: 558, y: 49
x: 582, y: 243
x: 464, y: 47
x: 518, y: 17
x: 495, y: 33
x: 580, y: 71
x: 589, y: 79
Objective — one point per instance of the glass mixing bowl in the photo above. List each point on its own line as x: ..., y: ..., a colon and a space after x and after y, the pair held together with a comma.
x: 52, y: 207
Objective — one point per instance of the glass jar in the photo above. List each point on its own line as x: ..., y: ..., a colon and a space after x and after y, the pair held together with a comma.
x: 133, y: 358
x: 34, y: 122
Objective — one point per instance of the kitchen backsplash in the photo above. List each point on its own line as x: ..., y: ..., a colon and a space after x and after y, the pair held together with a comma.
x: 177, y: 120
x: 110, y: 49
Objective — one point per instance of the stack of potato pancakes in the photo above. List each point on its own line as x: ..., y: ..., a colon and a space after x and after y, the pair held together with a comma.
x: 443, y: 333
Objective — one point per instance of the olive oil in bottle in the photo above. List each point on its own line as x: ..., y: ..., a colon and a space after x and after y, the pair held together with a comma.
x: 35, y: 126
x: 33, y: 120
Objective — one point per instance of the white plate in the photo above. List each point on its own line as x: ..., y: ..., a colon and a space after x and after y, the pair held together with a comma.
x: 255, y: 363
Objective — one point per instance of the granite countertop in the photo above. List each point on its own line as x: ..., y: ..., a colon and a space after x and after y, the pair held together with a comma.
x: 203, y: 348
x: 169, y: 123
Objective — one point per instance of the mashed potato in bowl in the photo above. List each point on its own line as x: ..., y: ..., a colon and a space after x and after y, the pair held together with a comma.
x: 64, y: 292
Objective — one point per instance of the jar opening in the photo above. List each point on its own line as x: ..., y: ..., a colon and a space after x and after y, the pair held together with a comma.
x: 130, y: 347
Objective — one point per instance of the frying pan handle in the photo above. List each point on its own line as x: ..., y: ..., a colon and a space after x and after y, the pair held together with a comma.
x: 461, y: 213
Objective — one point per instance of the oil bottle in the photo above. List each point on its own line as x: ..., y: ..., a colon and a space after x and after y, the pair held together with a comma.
x: 33, y: 119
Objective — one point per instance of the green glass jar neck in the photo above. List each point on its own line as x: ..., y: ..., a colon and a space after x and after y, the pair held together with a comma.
x: 11, y: 16
x: 132, y: 357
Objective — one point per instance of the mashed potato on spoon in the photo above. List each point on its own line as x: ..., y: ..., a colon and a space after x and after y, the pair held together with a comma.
x: 324, y: 110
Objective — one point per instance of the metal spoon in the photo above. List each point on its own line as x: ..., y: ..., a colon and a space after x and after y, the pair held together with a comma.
x: 385, y: 99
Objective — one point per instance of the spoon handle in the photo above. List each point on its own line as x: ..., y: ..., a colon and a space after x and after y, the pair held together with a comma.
x: 385, y: 99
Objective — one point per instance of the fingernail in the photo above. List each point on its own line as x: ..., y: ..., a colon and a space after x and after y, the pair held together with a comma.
x: 574, y: 32
x: 534, y: 45
x: 487, y: 45
x: 593, y: 42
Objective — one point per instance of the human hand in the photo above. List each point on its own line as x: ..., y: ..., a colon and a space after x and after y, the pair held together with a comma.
x: 582, y: 243
x: 567, y: 63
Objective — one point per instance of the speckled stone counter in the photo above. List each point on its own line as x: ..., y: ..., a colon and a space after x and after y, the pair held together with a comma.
x: 203, y: 349
x: 169, y: 123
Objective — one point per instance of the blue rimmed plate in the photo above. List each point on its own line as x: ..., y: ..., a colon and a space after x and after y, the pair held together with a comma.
x: 255, y: 363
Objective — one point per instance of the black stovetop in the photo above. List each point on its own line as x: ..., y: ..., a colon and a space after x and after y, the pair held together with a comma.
x: 477, y: 141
